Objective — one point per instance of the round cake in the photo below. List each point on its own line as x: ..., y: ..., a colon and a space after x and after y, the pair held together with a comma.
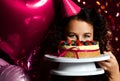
x: 79, y: 49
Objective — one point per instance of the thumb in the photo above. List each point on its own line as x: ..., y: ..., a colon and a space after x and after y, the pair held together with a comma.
x: 110, y: 53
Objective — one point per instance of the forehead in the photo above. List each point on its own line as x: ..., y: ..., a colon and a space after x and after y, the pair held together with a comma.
x: 79, y: 26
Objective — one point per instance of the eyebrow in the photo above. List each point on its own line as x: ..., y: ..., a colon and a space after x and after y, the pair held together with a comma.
x: 70, y: 33
x: 88, y: 33
x: 75, y: 33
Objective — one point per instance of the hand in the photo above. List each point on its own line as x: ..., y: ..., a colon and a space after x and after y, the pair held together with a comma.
x: 111, y: 67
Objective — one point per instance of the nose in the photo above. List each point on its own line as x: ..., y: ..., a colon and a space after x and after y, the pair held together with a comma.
x: 80, y: 38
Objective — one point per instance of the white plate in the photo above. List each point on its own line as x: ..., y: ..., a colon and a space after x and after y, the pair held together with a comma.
x: 75, y: 60
x: 98, y: 71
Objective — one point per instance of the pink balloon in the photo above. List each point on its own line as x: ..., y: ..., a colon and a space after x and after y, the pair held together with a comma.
x: 23, y: 24
x: 12, y: 73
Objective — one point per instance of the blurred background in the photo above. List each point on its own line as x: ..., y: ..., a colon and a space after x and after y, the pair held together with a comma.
x: 24, y: 23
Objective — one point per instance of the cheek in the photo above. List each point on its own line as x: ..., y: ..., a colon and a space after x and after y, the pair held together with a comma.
x: 91, y: 38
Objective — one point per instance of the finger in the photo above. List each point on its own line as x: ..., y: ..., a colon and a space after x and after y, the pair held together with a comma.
x: 106, y: 64
x: 102, y: 66
x: 110, y: 53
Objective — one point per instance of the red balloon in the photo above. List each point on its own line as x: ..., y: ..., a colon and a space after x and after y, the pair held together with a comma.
x: 23, y: 24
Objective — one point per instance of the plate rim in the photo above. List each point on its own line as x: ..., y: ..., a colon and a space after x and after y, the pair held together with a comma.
x: 75, y: 60
x: 98, y: 71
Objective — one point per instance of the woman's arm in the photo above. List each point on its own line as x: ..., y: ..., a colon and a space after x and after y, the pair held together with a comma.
x: 111, y: 67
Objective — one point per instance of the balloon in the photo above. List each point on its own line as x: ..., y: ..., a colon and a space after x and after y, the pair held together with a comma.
x: 12, y: 73
x: 3, y: 62
x: 23, y: 24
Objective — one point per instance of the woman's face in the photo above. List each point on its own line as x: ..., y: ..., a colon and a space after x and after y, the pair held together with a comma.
x: 79, y: 30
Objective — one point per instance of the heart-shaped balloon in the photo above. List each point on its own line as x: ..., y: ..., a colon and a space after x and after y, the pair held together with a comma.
x: 12, y: 73
x: 23, y: 24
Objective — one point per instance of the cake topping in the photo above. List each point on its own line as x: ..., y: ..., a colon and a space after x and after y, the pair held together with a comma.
x: 77, y: 47
x: 78, y: 43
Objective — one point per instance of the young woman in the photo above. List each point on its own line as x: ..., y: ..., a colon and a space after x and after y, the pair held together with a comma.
x: 88, y: 25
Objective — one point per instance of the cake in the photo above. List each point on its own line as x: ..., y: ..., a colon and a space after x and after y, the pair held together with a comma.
x: 78, y: 49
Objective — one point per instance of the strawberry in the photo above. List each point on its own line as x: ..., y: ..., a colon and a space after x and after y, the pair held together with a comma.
x: 61, y: 42
x: 80, y: 44
x: 69, y: 41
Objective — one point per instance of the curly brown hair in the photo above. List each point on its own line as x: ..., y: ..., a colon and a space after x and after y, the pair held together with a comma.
x: 101, y: 32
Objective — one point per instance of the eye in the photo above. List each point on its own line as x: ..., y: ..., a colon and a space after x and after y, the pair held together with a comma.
x: 72, y: 35
x: 87, y: 36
